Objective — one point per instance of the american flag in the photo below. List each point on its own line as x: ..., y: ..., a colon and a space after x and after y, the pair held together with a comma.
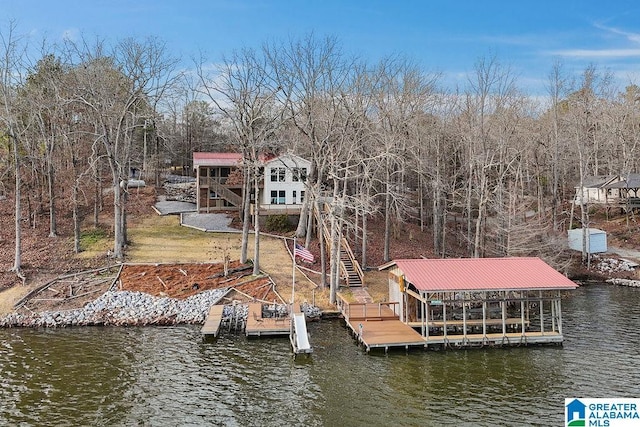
x: 303, y: 253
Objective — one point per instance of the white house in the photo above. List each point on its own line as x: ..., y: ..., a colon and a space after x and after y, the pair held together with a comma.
x: 597, y: 189
x: 284, y: 183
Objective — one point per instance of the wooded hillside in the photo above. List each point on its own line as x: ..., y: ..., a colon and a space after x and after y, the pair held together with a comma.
x: 485, y: 167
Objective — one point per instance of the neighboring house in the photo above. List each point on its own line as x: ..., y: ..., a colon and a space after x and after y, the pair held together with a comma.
x: 596, y: 189
x: 610, y: 189
x: 219, y: 183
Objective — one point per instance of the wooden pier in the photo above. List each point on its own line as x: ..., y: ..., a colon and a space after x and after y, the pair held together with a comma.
x: 211, y: 325
x: 259, y: 326
x: 377, y: 326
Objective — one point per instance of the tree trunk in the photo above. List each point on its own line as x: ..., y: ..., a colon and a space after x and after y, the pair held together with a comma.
x: 53, y: 232
x: 118, y: 238
x: 246, y: 213
x: 323, y: 248
x: 256, y: 224
x: 335, y: 247
x: 17, y: 262
x: 387, y: 215
x: 76, y: 219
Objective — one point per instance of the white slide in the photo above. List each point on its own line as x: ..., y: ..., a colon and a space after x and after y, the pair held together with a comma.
x: 300, y: 330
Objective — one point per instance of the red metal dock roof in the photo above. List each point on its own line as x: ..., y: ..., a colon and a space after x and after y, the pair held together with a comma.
x: 216, y: 159
x: 482, y: 274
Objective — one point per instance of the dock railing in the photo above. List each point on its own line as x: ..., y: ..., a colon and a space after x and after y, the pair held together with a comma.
x: 361, y: 310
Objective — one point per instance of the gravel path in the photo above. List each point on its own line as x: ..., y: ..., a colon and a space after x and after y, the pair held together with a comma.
x: 208, y: 222
x: 173, y: 207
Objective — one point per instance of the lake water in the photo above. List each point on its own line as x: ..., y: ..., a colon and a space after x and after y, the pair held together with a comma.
x: 170, y: 376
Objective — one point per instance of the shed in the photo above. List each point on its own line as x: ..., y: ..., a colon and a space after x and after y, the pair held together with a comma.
x: 596, y: 240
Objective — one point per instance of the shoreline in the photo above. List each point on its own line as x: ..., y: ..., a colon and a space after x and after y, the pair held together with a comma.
x: 134, y: 308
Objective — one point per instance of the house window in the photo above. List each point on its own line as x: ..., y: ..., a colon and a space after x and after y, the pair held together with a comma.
x: 213, y: 195
x: 295, y: 194
x: 278, y: 197
x: 299, y: 174
x: 278, y: 174
x: 302, y: 196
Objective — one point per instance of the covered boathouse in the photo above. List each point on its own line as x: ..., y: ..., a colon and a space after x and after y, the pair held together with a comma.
x: 474, y: 302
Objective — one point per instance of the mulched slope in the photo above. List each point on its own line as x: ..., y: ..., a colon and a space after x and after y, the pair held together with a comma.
x: 184, y: 280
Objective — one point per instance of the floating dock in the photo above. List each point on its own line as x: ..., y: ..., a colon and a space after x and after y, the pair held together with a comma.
x: 211, y: 325
x: 377, y: 326
x: 257, y: 325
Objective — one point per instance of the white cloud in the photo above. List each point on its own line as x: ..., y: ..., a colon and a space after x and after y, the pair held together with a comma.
x: 598, y: 53
x: 632, y: 37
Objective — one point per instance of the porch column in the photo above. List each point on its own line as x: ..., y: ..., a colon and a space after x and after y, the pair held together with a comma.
x: 464, y: 315
x: 503, y: 307
x: 522, y: 312
x: 541, y: 313
x: 553, y: 315
x: 444, y: 317
x: 425, y: 317
x: 559, y: 313
x: 198, y: 189
x: 484, y: 314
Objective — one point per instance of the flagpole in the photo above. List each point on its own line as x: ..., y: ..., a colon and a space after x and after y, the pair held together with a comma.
x: 293, y: 273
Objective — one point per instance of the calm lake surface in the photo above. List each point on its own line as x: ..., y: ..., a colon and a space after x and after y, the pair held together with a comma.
x: 169, y: 376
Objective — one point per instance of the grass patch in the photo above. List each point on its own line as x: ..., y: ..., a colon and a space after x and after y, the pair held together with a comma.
x: 94, y: 241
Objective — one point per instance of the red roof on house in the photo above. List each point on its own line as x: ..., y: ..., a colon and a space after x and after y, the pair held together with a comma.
x: 482, y: 274
x: 216, y: 159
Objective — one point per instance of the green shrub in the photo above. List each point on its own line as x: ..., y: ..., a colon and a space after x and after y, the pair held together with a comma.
x: 278, y: 224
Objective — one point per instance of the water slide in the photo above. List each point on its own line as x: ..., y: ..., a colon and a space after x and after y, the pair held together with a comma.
x: 300, y: 338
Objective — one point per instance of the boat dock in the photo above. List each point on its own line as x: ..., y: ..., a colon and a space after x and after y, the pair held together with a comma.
x: 376, y: 325
x: 257, y: 325
x: 211, y: 325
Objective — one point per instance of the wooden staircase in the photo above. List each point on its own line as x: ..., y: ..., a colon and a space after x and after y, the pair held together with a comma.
x: 349, y: 266
x: 224, y: 192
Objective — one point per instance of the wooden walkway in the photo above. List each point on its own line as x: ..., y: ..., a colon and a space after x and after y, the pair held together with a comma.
x: 377, y: 326
x: 258, y: 325
x: 211, y: 325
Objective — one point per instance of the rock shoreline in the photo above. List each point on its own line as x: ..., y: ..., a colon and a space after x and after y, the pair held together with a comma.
x: 127, y: 308
x: 625, y: 282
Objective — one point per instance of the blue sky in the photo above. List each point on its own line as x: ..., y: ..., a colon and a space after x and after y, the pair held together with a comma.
x: 448, y: 36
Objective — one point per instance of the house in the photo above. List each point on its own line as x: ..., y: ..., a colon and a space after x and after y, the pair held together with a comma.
x: 479, y: 301
x: 284, y: 184
x: 219, y: 181
x: 596, y: 189
x: 610, y: 189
